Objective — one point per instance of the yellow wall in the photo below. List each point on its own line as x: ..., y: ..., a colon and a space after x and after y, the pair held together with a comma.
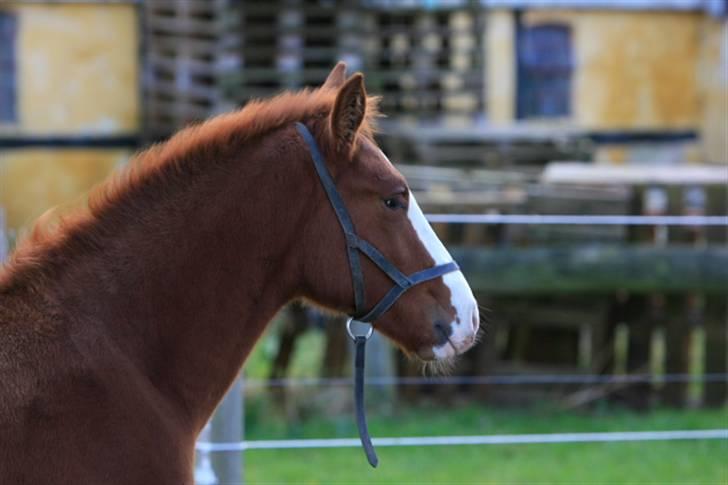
x: 500, y: 83
x: 714, y: 83
x: 78, y: 69
x: 633, y: 70
x: 78, y: 75
x: 32, y: 181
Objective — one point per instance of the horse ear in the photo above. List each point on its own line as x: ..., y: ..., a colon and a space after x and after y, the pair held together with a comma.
x: 349, y: 110
x: 337, y: 76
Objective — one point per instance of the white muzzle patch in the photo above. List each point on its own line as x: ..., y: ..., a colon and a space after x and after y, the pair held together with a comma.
x: 467, y: 321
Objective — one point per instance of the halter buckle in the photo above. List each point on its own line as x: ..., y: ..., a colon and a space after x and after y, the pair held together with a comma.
x: 353, y: 335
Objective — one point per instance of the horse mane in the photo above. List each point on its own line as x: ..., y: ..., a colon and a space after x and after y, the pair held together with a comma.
x: 178, y: 158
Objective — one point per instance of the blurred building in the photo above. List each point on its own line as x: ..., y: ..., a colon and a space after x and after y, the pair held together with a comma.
x: 648, y: 78
x: 504, y: 82
x: 69, y: 100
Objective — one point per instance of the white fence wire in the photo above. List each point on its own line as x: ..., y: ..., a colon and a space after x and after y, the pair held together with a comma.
x: 588, y: 220
x: 503, y: 439
x: 508, y: 439
x: 506, y: 380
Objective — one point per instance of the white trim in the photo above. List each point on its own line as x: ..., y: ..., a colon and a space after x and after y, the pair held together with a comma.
x: 713, y: 6
x: 682, y: 5
x: 602, y: 174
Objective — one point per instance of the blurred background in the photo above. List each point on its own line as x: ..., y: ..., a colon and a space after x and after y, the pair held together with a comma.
x: 497, y: 111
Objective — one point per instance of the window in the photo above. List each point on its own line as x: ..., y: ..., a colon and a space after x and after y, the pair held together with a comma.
x: 8, y: 26
x: 544, y: 71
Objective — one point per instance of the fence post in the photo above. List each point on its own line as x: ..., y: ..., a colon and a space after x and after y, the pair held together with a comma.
x: 3, y: 237
x: 380, y: 363
x: 204, y: 474
x: 716, y: 356
x: 227, y: 427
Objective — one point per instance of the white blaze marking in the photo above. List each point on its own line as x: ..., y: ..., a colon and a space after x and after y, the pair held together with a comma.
x: 461, y: 296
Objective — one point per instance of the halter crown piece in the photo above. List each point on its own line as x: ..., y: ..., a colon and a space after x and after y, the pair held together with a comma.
x: 402, y: 283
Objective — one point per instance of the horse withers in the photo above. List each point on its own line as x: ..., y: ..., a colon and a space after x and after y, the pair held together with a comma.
x: 123, y: 324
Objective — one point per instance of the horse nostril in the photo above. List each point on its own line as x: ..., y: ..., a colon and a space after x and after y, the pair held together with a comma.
x: 443, y: 331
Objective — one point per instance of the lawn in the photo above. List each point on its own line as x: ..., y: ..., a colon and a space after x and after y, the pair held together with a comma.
x: 699, y: 462
x: 683, y: 462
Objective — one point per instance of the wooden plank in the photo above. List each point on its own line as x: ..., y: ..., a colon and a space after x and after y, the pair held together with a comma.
x: 582, y: 173
x: 161, y: 109
x: 550, y: 199
x: 191, y: 66
x: 458, y: 176
x: 641, y: 322
x: 595, y: 269
x: 184, y: 7
x: 179, y: 44
x: 716, y: 349
x: 192, y: 91
x: 469, y: 201
x: 681, y: 319
x: 188, y: 26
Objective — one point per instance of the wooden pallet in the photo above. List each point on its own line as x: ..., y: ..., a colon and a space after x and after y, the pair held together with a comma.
x: 483, y: 145
x: 424, y: 63
x: 467, y: 190
x: 190, y: 47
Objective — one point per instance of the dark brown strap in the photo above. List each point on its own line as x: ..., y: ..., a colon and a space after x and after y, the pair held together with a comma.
x: 361, y: 419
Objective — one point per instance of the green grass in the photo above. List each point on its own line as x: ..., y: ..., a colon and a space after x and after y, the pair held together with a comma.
x: 303, y: 364
x: 676, y: 462
x: 703, y: 462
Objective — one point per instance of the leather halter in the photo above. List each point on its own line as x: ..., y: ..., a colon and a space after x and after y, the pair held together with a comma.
x: 402, y: 282
x: 355, y: 244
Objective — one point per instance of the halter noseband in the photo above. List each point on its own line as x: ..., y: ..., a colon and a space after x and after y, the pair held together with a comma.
x: 402, y: 282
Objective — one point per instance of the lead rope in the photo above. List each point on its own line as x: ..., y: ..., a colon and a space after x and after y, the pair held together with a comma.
x: 361, y: 418
x: 360, y: 343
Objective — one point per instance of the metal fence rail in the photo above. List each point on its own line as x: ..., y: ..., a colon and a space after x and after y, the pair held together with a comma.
x: 588, y: 220
x: 505, y: 439
x: 521, y: 379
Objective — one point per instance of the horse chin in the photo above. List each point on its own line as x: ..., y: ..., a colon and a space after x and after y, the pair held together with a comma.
x: 433, y: 364
x: 439, y: 367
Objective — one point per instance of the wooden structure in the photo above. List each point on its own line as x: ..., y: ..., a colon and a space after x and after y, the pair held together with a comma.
x: 425, y: 63
x: 593, y: 64
x: 190, y: 46
x: 527, y: 148
x: 561, y: 296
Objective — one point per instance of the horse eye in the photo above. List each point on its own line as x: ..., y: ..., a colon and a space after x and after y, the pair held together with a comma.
x: 392, y: 203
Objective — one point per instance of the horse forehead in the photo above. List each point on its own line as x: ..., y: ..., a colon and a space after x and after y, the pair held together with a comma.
x: 377, y: 161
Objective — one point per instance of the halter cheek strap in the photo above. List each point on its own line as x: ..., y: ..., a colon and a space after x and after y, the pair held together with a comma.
x: 355, y: 244
x: 402, y: 283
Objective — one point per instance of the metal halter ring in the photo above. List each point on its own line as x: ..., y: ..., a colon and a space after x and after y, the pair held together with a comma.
x: 353, y: 335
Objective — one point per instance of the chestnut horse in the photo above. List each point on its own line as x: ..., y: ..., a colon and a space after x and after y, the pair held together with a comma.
x: 122, y: 326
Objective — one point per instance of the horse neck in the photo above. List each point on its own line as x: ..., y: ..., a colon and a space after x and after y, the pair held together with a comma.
x: 186, y: 290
